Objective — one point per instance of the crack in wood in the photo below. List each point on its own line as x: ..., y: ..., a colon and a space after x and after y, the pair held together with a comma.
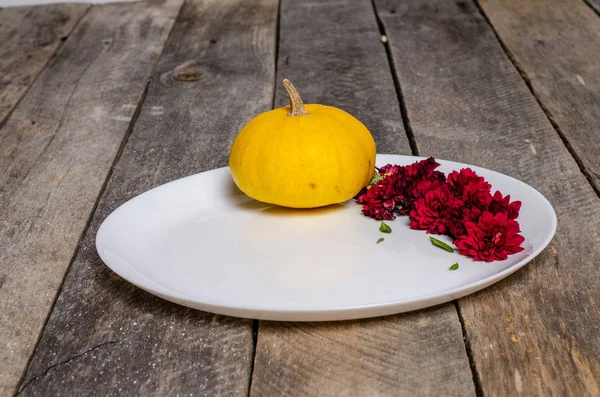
x: 134, y: 119
x: 67, y: 361
x: 216, y: 364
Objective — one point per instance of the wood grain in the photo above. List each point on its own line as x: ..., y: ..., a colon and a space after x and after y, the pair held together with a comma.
x: 56, y: 151
x: 537, y: 332
x: 556, y: 44
x: 417, y: 354
x: 104, y: 334
x: 30, y: 37
x: 343, y: 64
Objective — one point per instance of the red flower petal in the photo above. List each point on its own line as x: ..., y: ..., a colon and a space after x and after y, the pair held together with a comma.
x: 471, y: 188
x: 503, y: 204
x: 435, y: 211
x: 493, y: 237
x: 461, y: 206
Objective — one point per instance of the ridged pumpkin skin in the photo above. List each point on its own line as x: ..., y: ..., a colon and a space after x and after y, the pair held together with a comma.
x: 324, y: 157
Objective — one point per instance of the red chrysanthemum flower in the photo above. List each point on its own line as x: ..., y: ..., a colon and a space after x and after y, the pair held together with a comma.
x: 420, y: 178
x: 462, y: 206
x: 398, y: 187
x: 416, y: 189
x: 381, y: 198
x: 435, y: 211
x: 471, y: 188
x: 493, y: 237
x: 456, y: 226
x: 376, y: 204
x: 389, y: 169
x: 424, y: 168
x: 502, y: 204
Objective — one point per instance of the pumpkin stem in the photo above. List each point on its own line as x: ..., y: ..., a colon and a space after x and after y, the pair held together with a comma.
x: 296, y: 104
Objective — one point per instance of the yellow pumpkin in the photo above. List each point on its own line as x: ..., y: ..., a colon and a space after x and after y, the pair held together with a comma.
x: 302, y: 156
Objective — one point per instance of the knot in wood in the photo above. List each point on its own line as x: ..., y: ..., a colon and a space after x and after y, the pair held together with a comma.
x: 188, y: 72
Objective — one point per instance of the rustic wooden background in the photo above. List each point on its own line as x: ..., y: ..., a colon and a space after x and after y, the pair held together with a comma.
x: 101, y: 103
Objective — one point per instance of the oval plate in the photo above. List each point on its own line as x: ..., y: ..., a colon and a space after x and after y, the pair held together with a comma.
x: 200, y: 242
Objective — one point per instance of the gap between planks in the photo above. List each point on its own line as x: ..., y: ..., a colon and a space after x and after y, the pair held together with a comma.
x: 594, y: 5
x: 132, y: 123
x: 110, y: 163
x: 134, y: 119
x: 415, y: 152
x: 50, y: 58
x: 513, y: 59
x: 472, y: 364
x: 256, y: 323
x: 388, y: 52
x: 195, y: 20
x: 528, y: 119
x: 274, y: 340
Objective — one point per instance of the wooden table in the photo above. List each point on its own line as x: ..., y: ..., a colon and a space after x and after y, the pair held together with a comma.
x: 101, y: 103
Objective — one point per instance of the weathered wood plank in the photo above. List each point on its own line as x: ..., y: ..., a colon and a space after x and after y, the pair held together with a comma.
x: 56, y: 151
x: 556, y: 44
x: 344, y: 64
x: 216, y: 73
x: 29, y: 38
x: 537, y: 332
x: 415, y: 354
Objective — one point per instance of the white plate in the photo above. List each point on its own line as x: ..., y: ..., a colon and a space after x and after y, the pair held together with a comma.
x: 200, y: 242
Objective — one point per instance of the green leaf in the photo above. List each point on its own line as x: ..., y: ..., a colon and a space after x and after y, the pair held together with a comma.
x: 440, y: 244
x: 376, y: 178
x: 453, y: 267
x: 385, y: 228
x: 380, y: 240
